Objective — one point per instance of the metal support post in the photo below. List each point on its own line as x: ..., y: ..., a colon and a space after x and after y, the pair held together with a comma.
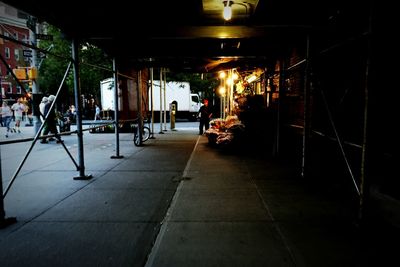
x: 364, y: 183
x: 35, y: 84
x: 306, y: 114
x: 161, y: 118
x: 78, y: 104
x: 37, y: 137
x: 152, y: 102
x: 139, y: 104
x: 4, y: 222
x: 279, y: 108
x: 231, y: 93
x: 116, y: 114
x: 172, y: 112
x: 165, y: 100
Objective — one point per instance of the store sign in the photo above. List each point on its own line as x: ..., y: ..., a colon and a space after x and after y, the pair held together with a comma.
x: 27, y: 53
x: 20, y: 74
x: 41, y: 55
x: 46, y: 37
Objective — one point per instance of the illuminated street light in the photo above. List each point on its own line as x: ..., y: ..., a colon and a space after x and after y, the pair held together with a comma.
x: 235, y: 76
x: 227, y: 13
x: 222, y: 90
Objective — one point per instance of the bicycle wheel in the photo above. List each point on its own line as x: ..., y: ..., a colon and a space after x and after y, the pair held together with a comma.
x: 145, y: 133
x: 136, y: 140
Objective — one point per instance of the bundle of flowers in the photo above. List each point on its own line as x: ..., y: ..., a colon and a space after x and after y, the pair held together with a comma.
x: 217, y: 123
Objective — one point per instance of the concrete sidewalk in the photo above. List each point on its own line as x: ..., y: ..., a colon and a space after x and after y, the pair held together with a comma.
x: 176, y: 201
x: 239, y: 210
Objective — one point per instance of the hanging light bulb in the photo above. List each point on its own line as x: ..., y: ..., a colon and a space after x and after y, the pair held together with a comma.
x: 227, y: 13
x: 222, y: 91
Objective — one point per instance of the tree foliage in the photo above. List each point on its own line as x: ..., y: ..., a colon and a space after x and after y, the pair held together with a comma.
x: 202, y: 83
x: 94, y: 66
x: 52, y: 68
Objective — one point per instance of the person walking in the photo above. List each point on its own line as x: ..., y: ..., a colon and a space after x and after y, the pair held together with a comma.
x: 42, y: 105
x: 6, y: 114
x: 51, y: 123
x: 97, y: 113
x: 205, y: 115
x: 18, y: 109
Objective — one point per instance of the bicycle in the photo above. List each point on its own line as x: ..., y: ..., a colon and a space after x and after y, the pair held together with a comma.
x: 145, y: 133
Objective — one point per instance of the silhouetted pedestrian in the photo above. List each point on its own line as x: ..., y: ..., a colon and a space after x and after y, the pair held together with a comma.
x: 205, y: 115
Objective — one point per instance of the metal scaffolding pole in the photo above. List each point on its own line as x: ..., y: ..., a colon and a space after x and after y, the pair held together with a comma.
x: 37, y: 137
x: 307, y: 113
x: 231, y: 92
x: 152, y: 101
x: 139, y: 104
x: 4, y: 222
x: 116, y: 114
x: 364, y: 183
x: 339, y: 140
x: 35, y: 84
x: 165, y: 100
x: 161, y: 120
x: 78, y: 104
x: 279, y: 107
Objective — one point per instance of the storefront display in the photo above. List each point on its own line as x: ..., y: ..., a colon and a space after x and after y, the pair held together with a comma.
x: 225, y: 132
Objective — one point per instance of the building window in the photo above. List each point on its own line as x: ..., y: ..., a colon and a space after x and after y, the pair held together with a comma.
x: 15, y: 35
x: 6, y: 34
x: 18, y: 89
x: 8, y: 70
x: 25, y: 39
x: 9, y: 88
x: 16, y: 54
x: 7, y: 52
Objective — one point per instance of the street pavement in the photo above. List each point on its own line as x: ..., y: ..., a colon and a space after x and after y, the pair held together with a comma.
x: 176, y: 201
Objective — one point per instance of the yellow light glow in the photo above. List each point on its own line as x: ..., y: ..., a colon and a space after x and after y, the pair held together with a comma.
x: 222, y: 74
x: 227, y: 12
x: 229, y: 81
x: 252, y: 78
x: 235, y: 76
x: 222, y: 90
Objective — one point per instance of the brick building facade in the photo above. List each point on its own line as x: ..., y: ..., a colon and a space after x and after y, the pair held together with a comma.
x: 12, y: 25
